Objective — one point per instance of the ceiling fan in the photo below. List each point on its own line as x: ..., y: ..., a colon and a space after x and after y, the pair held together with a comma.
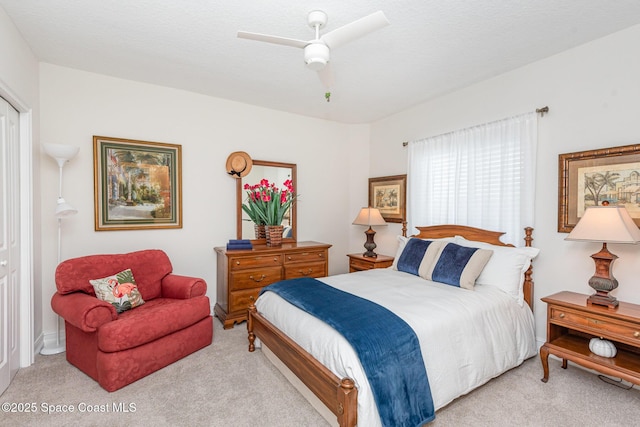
x: 317, y: 52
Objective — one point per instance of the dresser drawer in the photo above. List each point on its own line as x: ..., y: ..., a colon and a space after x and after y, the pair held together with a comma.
x: 239, y: 263
x: 312, y: 269
x: 241, y: 300
x: 256, y: 278
x: 309, y: 256
x: 615, y: 329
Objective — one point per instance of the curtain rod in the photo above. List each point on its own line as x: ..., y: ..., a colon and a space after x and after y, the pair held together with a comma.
x: 542, y: 111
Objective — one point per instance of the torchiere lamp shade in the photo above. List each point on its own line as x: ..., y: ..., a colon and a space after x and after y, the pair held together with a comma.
x: 606, y: 224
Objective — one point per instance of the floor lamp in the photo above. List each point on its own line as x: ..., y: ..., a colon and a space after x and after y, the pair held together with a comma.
x: 61, y: 154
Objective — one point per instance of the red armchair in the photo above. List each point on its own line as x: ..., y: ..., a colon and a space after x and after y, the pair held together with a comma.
x: 118, y: 349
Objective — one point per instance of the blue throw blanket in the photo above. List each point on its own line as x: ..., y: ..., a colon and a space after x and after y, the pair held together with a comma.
x: 388, y: 348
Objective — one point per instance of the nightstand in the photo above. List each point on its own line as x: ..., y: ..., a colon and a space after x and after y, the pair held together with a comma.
x: 571, y: 323
x: 358, y: 262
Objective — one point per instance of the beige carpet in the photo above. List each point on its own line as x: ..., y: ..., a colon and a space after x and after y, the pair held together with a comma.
x: 225, y: 385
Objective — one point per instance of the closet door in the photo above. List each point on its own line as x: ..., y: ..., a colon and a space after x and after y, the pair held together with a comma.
x: 9, y: 243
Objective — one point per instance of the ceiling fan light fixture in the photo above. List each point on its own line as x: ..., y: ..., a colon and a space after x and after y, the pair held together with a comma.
x: 317, y: 50
x: 316, y: 56
x: 317, y: 18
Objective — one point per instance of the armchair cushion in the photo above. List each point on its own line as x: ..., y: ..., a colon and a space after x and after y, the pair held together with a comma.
x: 151, y: 321
x: 119, y: 290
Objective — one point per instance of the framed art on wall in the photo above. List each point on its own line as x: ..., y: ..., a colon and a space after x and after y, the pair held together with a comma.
x: 589, y: 178
x: 388, y: 194
x: 137, y: 184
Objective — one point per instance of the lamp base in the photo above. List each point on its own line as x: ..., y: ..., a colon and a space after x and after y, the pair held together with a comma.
x: 54, y: 349
x: 57, y: 345
x: 603, y: 281
x: 603, y: 299
x: 370, y: 244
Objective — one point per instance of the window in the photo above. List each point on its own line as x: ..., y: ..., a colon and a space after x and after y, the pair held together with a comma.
x: 483, y: 176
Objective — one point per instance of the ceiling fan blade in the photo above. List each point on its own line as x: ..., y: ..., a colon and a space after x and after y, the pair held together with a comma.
x: 355, y: 30
x: 272, y: 39
x: 326, y: 76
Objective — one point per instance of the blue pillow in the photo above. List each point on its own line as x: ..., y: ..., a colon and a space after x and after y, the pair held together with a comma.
x: 412, y: 256
x: 459, y: 265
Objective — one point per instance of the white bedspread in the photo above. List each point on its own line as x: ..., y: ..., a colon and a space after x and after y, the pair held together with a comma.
x: 466, y: 337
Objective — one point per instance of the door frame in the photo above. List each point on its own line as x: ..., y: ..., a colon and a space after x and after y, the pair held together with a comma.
x: 26, y: 346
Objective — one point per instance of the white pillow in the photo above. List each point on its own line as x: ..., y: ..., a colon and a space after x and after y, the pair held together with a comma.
x: 506, y: 267
x: 402, y: 242
x: 457, y: 265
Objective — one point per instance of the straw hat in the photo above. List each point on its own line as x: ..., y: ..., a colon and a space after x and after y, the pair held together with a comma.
x: 239, y: 164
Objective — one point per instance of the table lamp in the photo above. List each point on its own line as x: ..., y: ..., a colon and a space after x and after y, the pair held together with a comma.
x: 369, y: 216
x: 611, y: 224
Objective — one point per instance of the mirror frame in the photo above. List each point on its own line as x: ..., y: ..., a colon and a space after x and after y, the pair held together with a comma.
x: 240, y: 197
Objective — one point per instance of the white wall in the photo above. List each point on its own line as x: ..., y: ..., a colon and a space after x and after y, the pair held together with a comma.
x: 19, y: 86
x: 77, y: 105
x: 593, y: 93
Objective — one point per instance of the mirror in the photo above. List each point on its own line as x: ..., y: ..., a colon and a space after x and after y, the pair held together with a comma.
x: 276, y: 173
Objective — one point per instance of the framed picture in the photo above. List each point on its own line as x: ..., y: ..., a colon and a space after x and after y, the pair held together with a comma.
x: 137, y: 184
x: 389, y: 195
x: 588, y: 178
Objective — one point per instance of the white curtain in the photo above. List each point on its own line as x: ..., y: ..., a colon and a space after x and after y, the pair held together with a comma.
x: 483, y: 176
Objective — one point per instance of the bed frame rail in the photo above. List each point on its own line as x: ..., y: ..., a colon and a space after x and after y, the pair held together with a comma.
x: 340, y: 396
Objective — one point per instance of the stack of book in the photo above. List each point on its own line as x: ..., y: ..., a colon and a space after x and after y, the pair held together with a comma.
x: 239, y: 244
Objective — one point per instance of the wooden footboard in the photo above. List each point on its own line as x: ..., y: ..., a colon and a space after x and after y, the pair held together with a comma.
x: 340, y: 396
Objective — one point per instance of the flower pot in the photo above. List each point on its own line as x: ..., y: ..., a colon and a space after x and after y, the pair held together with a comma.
x: 274, y: 235
x: 260, y: 230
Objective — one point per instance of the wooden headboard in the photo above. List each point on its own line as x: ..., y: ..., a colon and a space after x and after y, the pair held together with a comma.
x: 478, y: 235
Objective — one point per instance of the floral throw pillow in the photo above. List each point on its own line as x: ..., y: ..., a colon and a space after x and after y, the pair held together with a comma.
x: 120, y: 290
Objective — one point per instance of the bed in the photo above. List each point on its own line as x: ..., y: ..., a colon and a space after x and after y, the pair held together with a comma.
x: 494, y: 326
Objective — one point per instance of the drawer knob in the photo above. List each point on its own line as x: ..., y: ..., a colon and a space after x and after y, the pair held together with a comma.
x: 309, y: 271
x: 252, y: 298
x: 237, y: 262
x: 561, y: 315
x: 636, y: 334
x: 262, y: 277
x: 289, y: 257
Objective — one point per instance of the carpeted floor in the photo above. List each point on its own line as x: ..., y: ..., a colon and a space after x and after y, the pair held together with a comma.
x: 225, y: 385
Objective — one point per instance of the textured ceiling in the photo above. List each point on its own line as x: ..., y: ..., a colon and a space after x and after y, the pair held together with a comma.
x: 431, y: 47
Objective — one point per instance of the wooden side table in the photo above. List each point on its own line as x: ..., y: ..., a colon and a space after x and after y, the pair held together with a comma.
x: 571, y: 323
x: 358, y: 262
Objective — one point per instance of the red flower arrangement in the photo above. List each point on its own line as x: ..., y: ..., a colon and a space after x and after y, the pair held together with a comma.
x: 266, y: 204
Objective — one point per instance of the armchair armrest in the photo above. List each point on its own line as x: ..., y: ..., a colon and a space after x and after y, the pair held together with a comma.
x: 83, y: 311
x: 182, y: 287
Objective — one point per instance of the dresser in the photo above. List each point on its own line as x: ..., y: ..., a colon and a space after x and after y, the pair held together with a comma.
x: 571, y: 323
x: 241, y: 274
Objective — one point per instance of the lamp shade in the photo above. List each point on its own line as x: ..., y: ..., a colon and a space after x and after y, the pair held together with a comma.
x: 61, y: 153
x: 369, y: 216
x: 611, y: 224
x: 64, y: 209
